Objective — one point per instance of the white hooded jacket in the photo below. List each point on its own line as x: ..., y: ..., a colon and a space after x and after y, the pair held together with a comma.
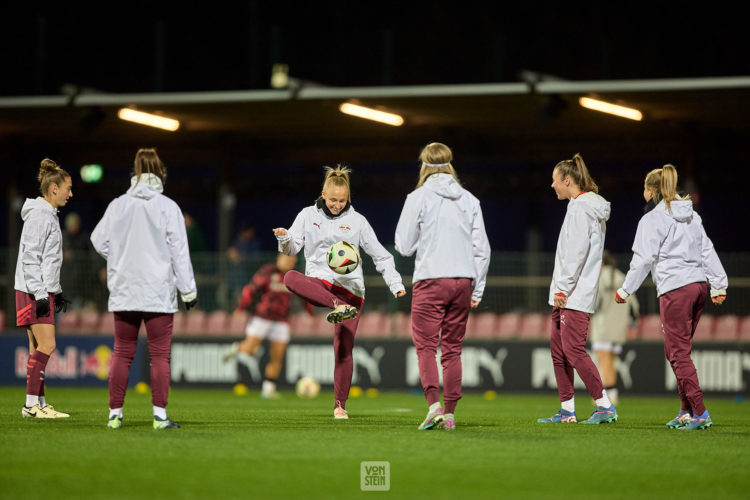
x: 314, y: 230
x: 442, y: 222
x: 40, y: 250
x: 674, y: 248
x: 578, y: 259
x: 143, y: 237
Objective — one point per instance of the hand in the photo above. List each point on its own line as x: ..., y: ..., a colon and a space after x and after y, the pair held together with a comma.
x: 619, y: 299
x: 279, y: 231
x: 190, y: 304
x: 719, y: 299
x: 42, y: 308
x: 560, y: 300
x: 474, y: 304
x: 61, y: 303
x: 400, y: 293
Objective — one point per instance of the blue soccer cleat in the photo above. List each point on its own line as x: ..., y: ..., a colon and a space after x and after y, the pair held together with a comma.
x: 561, y: 417
x: 164, y: 424
x: 698, y: 422
x: 680, y: 420
x: 602, y: 416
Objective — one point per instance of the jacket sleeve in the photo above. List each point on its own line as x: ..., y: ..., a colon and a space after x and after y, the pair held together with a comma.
x: 100, y: 234
x: 409, y: 223
x: 383, y: 260
x: 179, y: 252
x: 294, y: 239
x: 33, y: 236
x: 645, y: 250
x: 576, y: 243
x: 717, y: 277
x: 481, y: 250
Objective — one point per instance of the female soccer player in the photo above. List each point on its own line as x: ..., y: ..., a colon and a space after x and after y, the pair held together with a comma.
x: 332, y: 218
x: 575, y: 281
x: 37, y: 281
x: 610, y: 323
x: 269, y: 300
x: 672, y: 245
x: 442, y: 222
x: 142, y: 235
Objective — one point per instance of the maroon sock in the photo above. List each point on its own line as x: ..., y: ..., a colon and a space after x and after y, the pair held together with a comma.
x: 450, y: 406
x: 41, y: 390
x: 35, y: 372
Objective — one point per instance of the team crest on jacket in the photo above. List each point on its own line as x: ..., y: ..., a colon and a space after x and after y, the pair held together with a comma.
x: 344, y: 228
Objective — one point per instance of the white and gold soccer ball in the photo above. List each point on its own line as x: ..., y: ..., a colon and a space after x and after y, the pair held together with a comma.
x: 343, y: 257
x: 307, y: 387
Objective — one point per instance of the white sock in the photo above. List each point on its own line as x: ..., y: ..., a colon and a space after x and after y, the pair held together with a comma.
x: 569, y: 405
x: 160, y: 412
x: 613, y: 394
x: 42, y: 401
x: 603, y: 401
x: 115, y: 412
x: 435, y: 406
x: 31, y: 400
x: 449, y: 416
x: 268, y: 386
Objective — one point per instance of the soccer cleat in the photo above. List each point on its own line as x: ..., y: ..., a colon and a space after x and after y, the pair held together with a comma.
x: 448, y: 424
x: 561, y: 417
x: 341, y: 313
x: 33, y: 412
x: 680, y: 420
x: 433, y: 418
x: 164, y: 424
x: 340, y: 413
x: 115, y: 422
x: 697, y: 423
x: 52, y: 413
x: 602, y: 416
x: 230, y: 353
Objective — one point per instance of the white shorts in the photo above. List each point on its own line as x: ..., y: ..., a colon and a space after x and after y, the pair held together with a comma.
x: 606, y: 346
x: 275, y: 331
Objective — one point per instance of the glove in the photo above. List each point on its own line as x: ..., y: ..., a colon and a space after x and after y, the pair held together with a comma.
x: 190, y: 304
x: 619, y: 299
x: 61, y: 303
x: 190, y: 299
x: 42, y: 308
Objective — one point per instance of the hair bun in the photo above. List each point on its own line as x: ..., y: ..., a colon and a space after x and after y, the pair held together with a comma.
x: 49, y: 165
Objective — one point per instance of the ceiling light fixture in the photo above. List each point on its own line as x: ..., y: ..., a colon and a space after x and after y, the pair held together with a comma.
x: 142, y: 118
x: 613, y: 109
x: 371, y: 114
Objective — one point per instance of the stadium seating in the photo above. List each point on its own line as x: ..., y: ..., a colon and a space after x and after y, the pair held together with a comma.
x: 89, y: 323
x: 508, y: 325
x: 2, y: 321
x: 237, y: 323
x: 649, y: 328
x: 482, y: 325
x: 68, y: 323
x: 705, y: 329
x: 534, y: 326
x: 403, y: 325
x: 217, y: 322
x: 726, y: 328
x: 178, y: 323
x: 743, y: 333
x: 374, y: 325
x: 195, y: 323
x: 107, y: 323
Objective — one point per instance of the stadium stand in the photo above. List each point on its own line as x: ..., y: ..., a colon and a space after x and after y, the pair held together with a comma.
x: 374, y: 325
x: 2, y: 320
x: 534, y: 326
x: 237, y: 323
x: 68, y: 323
x: 403, y: 325
x: 107, y: 323
x: 508, y: 325
x: 649, y: 327
x: 704, y: 331
x: 482, y: 326
x: 726, y: 328
x: 178, y: 323
x: 217, y: 323
x: 744, y: 330
x: 195, y: 323
x: 89, y: 323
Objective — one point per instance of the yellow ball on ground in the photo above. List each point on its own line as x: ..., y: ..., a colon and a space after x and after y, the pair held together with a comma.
x: 240, y: 389
x: 355, y: 391
x: 372, y: 392
x: 141, y: 388
x: 490, y: 395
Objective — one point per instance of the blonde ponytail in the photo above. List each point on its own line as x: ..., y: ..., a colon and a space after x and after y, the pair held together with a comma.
x: 576, y: 169
x: 663, y: 183
x: 338, y: 176
x: 436, y: 158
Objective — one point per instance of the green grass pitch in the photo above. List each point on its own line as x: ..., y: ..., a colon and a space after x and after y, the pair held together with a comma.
x: 247, y: 447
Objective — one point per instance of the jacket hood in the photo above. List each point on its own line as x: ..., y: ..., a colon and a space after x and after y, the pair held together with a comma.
x: 682, y: 210
x: 444, y: 185
x: 594, y: 204
x: 147, y: 187
x: 37, y: 203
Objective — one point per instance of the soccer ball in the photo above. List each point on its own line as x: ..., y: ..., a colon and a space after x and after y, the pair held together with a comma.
x: 343, y: 257
x: 307, y: 387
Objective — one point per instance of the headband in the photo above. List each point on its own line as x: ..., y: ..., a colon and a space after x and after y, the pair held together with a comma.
x: 437, y: 164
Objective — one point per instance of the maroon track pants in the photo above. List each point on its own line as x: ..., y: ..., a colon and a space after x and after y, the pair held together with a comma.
x: 568, y: 335
x: 323, y: 294
x: 680, y: 310
x: 159, y: 335
x: 439, y: 312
